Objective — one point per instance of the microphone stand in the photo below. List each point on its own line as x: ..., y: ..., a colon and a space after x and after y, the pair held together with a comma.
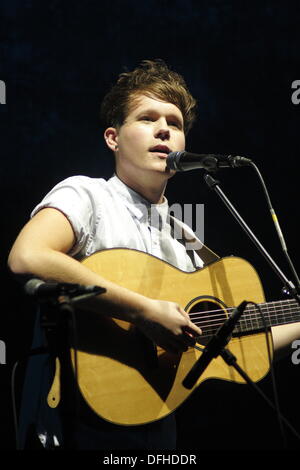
x: 230, y: 359
x: 289, y: 286
x: 227, y: 356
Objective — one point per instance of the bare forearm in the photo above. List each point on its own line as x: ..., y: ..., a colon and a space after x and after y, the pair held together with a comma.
x: 52, y: 265
x: 164, y: 322
x: 283, y: 337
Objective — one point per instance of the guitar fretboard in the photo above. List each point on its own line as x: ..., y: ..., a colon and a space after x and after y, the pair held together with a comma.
x: 254, y: 318
x: 274, y: 313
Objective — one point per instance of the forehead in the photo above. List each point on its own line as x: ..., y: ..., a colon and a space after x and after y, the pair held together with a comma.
x: 142, y: 103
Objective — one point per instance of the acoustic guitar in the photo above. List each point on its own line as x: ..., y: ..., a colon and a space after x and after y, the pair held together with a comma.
x: 127, y: 380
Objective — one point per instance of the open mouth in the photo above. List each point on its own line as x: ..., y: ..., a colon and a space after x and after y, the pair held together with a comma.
x: 160, y: 150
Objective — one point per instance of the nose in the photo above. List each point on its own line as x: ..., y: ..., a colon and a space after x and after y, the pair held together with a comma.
x: 162, y: 132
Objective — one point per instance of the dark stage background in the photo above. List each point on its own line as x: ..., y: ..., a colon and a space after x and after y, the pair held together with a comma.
x: 57, y: 60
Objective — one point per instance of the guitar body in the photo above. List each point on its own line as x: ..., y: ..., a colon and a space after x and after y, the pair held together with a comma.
x: 127, y: 380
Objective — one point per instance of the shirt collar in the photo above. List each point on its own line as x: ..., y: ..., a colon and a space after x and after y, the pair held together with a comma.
x: 137, y: 204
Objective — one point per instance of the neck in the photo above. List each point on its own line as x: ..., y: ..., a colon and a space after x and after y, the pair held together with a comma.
x: 153, y: 191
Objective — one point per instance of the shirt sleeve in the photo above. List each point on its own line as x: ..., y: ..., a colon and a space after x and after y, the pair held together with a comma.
x: 74, y: 198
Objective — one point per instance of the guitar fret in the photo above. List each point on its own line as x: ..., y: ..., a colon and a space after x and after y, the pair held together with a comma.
x: 258, y: 319
x: 268, y: 314
x: 289, y: 315
x: 278, y: 313
x: 280, y: 319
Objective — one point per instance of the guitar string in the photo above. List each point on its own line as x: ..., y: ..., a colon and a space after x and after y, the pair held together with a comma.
x: 212, y: 321
x: 239, y: 330
x: 245, y: 319
x: 252, y: 313
x: 247, y: 315
x: 211, y: 330
x: 294, y: 307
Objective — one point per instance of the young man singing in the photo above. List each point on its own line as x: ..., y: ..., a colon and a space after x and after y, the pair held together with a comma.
x: 148, y: 114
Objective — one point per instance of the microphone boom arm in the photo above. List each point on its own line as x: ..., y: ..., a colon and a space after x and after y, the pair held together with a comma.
x: 214, y: 184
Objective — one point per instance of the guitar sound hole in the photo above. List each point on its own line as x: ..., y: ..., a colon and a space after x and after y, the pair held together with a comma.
x: 209, y: 316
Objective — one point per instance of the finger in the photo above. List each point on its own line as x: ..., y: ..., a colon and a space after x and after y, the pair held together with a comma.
x: 191, y: 327
x: 192, y: 330
x: 183, y: 312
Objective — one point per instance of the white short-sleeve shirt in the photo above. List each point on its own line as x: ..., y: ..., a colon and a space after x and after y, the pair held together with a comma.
x: 109, y: 214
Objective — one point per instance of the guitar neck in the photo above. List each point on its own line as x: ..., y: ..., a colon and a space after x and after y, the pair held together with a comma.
x: 271, y: 314
x: 256, y: 317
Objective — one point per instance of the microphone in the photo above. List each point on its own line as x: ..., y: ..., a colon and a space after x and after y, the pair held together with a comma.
x: 214, y: 346
x: 185, y: 161
x: 48, y: 289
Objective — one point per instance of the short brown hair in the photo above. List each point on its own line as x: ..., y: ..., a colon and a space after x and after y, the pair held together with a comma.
x: 151, y: 78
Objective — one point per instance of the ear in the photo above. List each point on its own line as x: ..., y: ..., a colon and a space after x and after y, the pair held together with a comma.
x: 111, y: 138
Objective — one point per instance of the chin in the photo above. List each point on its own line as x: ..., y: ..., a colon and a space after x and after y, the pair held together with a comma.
x: 164, y: 174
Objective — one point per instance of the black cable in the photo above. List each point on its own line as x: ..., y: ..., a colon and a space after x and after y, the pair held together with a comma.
x: 14, y: 405
x: 276, y: 223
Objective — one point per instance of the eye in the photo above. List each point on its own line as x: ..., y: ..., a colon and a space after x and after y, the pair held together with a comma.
x: 175, y: 124
x: 146, y: 118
